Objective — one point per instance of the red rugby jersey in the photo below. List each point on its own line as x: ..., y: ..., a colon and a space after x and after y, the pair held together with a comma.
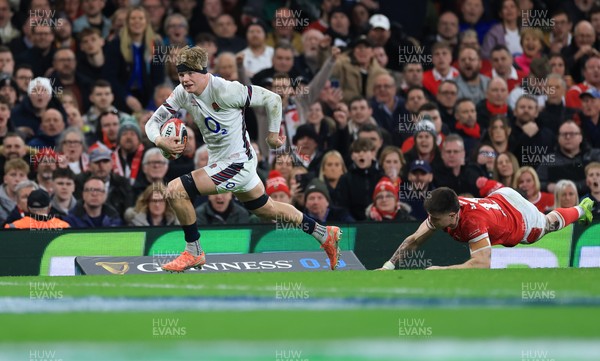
x: 492, y: 217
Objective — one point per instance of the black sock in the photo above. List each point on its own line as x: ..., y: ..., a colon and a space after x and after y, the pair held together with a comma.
x: 308, y: 224
x: 191, y: 232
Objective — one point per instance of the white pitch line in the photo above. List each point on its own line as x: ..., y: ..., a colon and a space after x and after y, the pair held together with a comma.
x: 396, y: 291
x: 22, y: 305
x: 359, y: 349
x: 289, y: 300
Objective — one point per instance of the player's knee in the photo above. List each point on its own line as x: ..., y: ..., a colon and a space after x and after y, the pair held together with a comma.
x: 187, y: 187
x: 262, y: 206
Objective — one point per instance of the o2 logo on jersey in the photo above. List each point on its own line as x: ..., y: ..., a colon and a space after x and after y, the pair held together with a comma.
x: 214, y: 126
x: 229, y: 185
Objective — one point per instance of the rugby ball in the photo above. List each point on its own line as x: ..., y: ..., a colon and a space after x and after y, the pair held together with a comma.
x: 174, y: 128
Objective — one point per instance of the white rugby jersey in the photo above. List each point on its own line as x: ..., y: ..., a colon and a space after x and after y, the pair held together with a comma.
x: 219, y: 114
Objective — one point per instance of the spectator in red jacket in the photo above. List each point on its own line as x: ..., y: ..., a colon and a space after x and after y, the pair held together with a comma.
x: 591, y: 76
x: 502, y: 67
x: 442, y: 68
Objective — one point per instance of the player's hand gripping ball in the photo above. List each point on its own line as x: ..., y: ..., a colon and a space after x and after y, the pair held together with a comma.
x: 174, y: 128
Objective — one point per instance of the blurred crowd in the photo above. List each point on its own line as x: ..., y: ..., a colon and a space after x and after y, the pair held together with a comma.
x: 383, y: 101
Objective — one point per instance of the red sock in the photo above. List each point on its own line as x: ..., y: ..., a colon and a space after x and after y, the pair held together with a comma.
x: 570, y: 215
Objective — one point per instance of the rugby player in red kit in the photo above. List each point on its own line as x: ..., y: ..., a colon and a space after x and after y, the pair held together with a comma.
x: 502, y: 218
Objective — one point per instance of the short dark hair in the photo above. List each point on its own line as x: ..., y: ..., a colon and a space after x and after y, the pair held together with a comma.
x: 447, y: 81
x: 540, y: 67
x: 563, y: 11
x: 409, y: 63
x: 501, y: 47
x: 414, y: 88
x: 88, y: 32
x: 5, y: 49
x: 283, y: 46
x: 557, y: 55
x: 588, y: 60
x: 205, y: 38
x: 594, y: 10
x: 13, y: 135
x: 23, y: 66
x: 105, y: 113
x: 4, y: 100
x: 94, y: 178
x: 428, y: 107
x: 460, y: 101
x: 465, y: 47
x: 358, y: 99
x: 442, y: 200
x: 527, y: 97
x: 100, y: 83
x: 62, y: 48
x: 371, y: 128
x: 569, y: 121
x: 362, y: 144
x: 63, y: 173
x: 281, y: 75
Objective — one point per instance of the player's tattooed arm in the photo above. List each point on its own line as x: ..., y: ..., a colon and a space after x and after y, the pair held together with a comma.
x: 160, y: 116
x: 411, y: 243
x: 164, y: 112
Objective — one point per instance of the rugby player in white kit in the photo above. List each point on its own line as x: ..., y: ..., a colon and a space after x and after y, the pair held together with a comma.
x: 217, y: 107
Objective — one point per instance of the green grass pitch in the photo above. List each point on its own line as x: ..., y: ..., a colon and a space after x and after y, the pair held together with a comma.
x: 507, y: 314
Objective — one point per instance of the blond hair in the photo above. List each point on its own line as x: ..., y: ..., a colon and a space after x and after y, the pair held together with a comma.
x: 150, y: 37
x: 16, y: 164
x: 591, y: 165
x: 331, y: 154
x: 560, y: 188
x: 534, y: 33
x: 534, y: 175
x: 193, y: 57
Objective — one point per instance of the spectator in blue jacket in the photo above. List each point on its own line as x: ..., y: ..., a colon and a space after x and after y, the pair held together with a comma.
x: 130, y: 66
x: 51, y: 127
x: 93, y: 212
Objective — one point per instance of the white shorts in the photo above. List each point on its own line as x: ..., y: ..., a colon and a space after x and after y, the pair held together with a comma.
x: 535, y: 221
x: 231, y: 176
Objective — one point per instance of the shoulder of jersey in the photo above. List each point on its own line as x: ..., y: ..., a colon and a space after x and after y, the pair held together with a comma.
x: 221, y: 85
x: 225, y: 89
x: 178, y: 93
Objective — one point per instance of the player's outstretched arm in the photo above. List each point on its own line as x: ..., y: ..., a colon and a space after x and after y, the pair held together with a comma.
x: 236, y: 95
x: 272, y: 103
x: 481, y: 256
x: 410, y: 243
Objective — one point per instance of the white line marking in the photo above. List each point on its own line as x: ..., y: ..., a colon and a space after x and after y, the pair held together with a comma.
x: 360, y: 349
x: 288, y: 300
